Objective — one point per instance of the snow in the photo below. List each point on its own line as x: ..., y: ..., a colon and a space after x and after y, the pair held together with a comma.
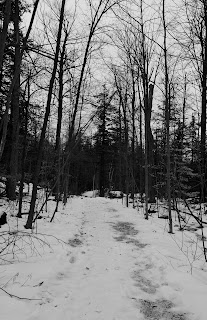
x: 90, y: 194
x: 99, y: 260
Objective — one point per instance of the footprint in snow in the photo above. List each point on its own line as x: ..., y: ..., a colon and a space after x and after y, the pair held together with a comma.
x: 72, y: 260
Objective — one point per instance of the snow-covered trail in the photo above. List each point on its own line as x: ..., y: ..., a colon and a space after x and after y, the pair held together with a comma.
x: 97, y: 274
x: 109, y: 274
x: 114, y: 265
x: 100, y: 277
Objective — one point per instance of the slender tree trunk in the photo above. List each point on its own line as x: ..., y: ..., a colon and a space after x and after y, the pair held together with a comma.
x: 59, y: 124
x: 203, y: 108
x: 57, y: 191
x: 102, y: 172
x: 150, y: 145
x: 102, y: 8
x: 121, y: 187
x: 103, y: 150
x: 14, y: 150
x: 3, y: 33
x: 19, y: 215
x: 184, y: 109
x: 60, y: 94
x: 66, y: 183
x: 43, y: 132
x: 133, y: 137
x: 126, y: 138
x: 123, y: 104
x: 141, y: 146
x: 146, y: 170
x: 145, y: 89
x: 167, y: 113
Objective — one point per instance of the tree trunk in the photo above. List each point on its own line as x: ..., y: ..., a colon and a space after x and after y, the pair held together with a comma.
x: 19, y: 215
x: 3, y: 33
x: 133, y: 137
x: 141, y: 184
x: 56, y: 189
x: 43, y: 132
x: 150, y: 143
x: 102, y: 181
x: 60, y: 94
x: 14, y: 150
x: 126, y: 138
x: 102, y: 8
x: 121, y: 187
x: 203, y: 109
x: 167, y: 113
x: 66, y: 183
x: 146, y: 131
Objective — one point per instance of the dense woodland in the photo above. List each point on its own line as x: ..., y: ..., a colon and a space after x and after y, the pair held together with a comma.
x: 106, y: 95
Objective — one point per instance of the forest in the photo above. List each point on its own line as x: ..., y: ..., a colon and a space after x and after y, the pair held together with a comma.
x: 104, y: 95
x: 103, y: 175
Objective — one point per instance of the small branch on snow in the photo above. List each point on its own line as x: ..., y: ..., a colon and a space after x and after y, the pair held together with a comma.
x: 14, y: 296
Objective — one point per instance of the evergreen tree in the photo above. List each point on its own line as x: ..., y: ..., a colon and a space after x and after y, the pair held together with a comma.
x: 104, y: 138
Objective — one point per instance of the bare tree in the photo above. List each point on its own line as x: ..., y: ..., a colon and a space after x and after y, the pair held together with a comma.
x: 167, y: 113
x: 97, y: 13
x: 47, y: 113
x: 13, y: 152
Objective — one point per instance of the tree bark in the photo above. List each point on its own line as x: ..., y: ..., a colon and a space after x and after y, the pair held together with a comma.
x: 145, y: 92
x: 141, y: 184
x: 14, y: 150
x: 167, y: 113
x: 203, y: 108
x: 24, y: 151
x: 126, y: 140
x: 150, y: 143
x: 133, y: 136
x: 3, y: 33
x: 46, y: 117
x: 56, y: 189
x: 103, y: 146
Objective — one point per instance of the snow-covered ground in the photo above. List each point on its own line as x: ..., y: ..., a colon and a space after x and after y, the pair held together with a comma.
x: 99, y: 260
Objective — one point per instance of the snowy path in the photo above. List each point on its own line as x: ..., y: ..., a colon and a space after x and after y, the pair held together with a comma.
x: 108, y: 271
x: 104, y: 278
x: 98, y: 288
x: 97, y: 275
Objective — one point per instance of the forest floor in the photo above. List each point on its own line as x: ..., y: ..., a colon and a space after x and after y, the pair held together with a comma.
x: 99, y: 260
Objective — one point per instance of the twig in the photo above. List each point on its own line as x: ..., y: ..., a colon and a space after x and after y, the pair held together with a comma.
x: 14, y: 296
